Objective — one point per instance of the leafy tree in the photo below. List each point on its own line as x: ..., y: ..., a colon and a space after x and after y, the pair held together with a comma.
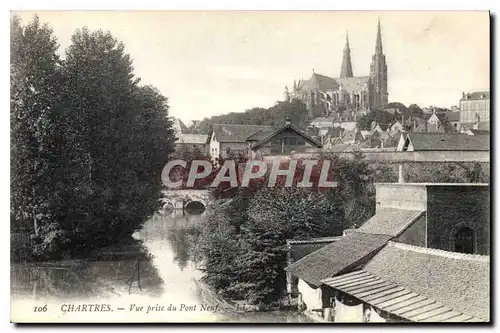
x: 118, y: 140
x: 383, y: 118
x: 88, y: 143
x: 274, y: 116
x: 34, y: 114
x: 415, y: 111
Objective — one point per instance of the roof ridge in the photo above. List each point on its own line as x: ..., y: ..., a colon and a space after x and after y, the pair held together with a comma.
x: 313, y: 240
x: 438, y: 252
x: 241, y: 125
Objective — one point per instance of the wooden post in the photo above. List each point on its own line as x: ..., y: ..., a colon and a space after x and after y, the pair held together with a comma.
x: 401, y: 178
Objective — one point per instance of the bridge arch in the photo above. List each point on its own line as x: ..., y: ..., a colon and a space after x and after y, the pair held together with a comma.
x: 195, y: 207
x: 190, y: 201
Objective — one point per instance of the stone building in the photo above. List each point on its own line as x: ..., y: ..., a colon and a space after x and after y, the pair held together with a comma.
x: 346, y: 93
x: 423, y: 257
x: 475, y: 109
x: 256, y: 141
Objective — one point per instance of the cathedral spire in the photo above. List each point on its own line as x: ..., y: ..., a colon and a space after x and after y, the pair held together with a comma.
x: 346, y: 69
x: 378, y: 46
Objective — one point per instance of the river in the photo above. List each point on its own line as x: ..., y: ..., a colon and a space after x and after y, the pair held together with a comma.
x: 148, y: 279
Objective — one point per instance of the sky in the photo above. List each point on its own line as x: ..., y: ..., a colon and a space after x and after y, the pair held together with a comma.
x: 215, y: 62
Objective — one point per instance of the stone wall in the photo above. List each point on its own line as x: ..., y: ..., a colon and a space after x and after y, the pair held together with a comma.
x: 402, y: 196
x: 452, y: 207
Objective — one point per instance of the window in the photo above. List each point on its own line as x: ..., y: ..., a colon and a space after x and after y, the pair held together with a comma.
x: 464, y: 240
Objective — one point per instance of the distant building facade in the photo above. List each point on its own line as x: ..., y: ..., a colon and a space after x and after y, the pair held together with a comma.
x: 329, y: 95
x: 475, y: 108
x: 258, y: 142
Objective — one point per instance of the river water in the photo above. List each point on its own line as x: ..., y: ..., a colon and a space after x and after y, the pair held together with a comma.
x: 149, y: 279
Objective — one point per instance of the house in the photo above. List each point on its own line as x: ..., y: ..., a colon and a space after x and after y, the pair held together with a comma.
x: 322, y: 122
x: 453, y: 119
x: 478, y: 125
x: 420, y: 127
x: 443, y: 141
x: 298, y: 249
x: 404, y: 283
x: 396, y: 126
x: 190, y: 142
x: 434, y: 124
x: 286, y: 140
x: 224, y: 139
x: 375, y: 127
x: 423, y: 245
x: 475, y: 107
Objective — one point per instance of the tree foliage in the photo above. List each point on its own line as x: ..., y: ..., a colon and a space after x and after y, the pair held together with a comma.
x: 242, y: 247
x: 274, y: 116
x: 88, y: 142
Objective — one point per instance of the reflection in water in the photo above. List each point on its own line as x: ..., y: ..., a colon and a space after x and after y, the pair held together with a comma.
x: 152, y: 268
x: 195, y: 208
x: 111, y: 272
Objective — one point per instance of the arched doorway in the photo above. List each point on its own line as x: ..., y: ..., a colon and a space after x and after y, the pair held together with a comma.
x: 194, y: 208
x: 464, y: 240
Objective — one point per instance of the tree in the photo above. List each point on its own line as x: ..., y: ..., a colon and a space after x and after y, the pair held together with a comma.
x: 118, y: 138
x: 88, y: 143
x: 274, y: 116
x: 34, y: 113
x: 383, y: 118
x: 415, y: 111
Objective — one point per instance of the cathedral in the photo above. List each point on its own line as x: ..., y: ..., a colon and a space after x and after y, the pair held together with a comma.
x: 328, y: 96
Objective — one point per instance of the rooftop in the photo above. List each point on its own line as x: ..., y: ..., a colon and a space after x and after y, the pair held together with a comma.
x: 390, y: 221
x: 193, y: 138
x: 476, y: 95
x: 449, y: 141
x: 235, y: 132
x: 434, y: 184
x: 458, y: 281
x: 343, y: 254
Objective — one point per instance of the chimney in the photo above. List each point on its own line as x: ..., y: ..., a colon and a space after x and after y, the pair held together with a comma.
x: 288, y: 121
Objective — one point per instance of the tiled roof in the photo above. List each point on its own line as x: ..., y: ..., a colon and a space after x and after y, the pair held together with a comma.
x: 337, y: 257
x: 261, y: 134
x: 477, y: 95
x: 449, y: 141
x: 193, y: 138
x: 353, y: 83
x: 455, y: 280
x: 236, y: 133
x: 395, y: 299
x: 314, y: 240
x: 271, y: 134
x: 300, y: 248
x: 322, y: 120
x: 390, y: 221
x: 320, y: 82
x: 326, y: 83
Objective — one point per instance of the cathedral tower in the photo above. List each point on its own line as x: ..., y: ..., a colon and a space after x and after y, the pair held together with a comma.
x: 378, y: 75
x: 346, y: 69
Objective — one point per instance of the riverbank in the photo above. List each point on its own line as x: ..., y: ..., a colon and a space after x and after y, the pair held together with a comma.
x: 211, y: 297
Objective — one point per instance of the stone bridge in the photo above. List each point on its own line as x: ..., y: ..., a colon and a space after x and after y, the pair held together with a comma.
x: 190, y: 201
